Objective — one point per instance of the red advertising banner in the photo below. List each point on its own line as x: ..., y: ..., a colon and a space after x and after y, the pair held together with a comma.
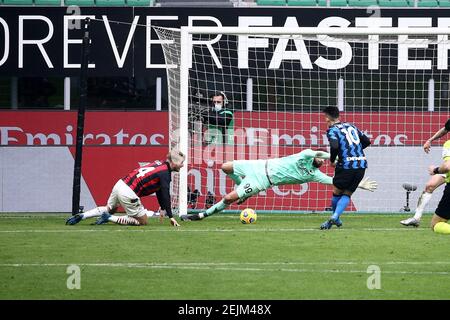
x: 116, y: 142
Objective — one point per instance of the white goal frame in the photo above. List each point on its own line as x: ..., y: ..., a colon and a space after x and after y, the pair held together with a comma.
x: 186, y: 46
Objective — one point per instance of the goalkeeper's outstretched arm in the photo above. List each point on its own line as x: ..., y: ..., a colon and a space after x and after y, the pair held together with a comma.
x: 316, y: 154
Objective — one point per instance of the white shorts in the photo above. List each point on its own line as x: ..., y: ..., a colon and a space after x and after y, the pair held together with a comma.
x: 123, y: 195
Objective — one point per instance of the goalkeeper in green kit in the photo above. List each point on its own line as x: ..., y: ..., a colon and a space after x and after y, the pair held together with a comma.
x: 254, y: 176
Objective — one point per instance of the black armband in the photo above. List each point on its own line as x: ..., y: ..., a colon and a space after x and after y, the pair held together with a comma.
x: 436, y: 170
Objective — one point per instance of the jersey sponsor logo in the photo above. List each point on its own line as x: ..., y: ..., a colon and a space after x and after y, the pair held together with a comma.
x: 355, y: 158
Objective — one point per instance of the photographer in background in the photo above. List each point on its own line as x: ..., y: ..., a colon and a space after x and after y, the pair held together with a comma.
x: 219, y: 121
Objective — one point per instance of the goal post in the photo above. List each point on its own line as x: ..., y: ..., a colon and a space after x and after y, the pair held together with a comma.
x: 393, y: 83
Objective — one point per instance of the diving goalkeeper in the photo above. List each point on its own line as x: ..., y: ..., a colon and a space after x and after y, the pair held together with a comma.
x: 254, y: 176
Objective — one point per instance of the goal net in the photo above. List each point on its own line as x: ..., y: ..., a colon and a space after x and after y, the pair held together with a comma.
x: 393, y: 85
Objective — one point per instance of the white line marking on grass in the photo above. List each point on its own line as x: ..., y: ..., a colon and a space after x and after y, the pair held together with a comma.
x: 243, y: 229
x: 211, y: 267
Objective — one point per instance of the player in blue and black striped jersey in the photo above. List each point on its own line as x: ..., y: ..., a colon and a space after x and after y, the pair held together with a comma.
x: 347, y: 144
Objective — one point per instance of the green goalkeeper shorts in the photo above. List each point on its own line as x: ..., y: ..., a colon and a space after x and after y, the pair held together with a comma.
x: 255, y: 178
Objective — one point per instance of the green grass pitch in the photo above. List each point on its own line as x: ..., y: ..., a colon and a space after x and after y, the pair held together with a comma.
x: 279, y: 257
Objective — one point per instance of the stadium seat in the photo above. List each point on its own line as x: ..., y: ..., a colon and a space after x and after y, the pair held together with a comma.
x: 395, y: 3
x: 81, y: 3
x: 18, y: 2
x: 110, y: 3
x: 271, y: 2
x: 302, y: 3
x: 338, y: 3
x: 362, y: 3
x: 322, y: 3
x: 427, y: 3
x: 444, y: 3
x: 140, y: 3
x: 47, y: 2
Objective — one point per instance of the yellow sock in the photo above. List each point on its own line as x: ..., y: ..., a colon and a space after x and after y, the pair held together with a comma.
x: 442, y: 227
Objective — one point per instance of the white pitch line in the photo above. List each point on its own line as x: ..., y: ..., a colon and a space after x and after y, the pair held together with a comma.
x: 139, y: 264
x: 250, y: 229
x: 210, y: 267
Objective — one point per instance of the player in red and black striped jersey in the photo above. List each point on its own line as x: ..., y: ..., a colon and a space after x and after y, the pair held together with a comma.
x: 152, y: 178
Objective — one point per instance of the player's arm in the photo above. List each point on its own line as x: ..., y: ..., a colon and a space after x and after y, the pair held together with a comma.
x: 365, y: 141
x: 334, y: 147
x: 308, y: 153
x: 443, y: 131
x: 321, y: 177
x: 163, y: 195
x: 443, y: 168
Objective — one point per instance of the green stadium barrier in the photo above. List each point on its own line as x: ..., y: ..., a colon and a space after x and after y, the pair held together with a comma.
x: 444, y: 3
x: 47, y: 2
x: 304, y: 3
x: 18, y: 2
x: 395, y: 3
x: 140, y: 3
x: 427, y: 3
x: 271, y: 2
x: 110, y: 3
x: 81, y: 3
x: 338, y: 3
x: 362, y: 3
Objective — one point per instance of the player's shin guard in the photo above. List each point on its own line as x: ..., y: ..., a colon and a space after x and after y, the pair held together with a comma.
x: 424, y: 198
x: 218, y: 207
x: 125, y: 220
x: 340, y: 206
x: 96, y: 212
x: 442, y: 227
x: 334, y: 201
x: 235, y: 178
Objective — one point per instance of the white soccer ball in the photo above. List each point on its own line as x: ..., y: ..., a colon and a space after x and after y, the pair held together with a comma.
x: 248, y: 216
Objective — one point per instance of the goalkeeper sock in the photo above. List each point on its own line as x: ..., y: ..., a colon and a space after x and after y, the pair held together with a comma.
x: 340, y: 206
x: 235, y: 178
x: 96, y: 212
x: 442, y: 227
x: 424, y: 198
x: 219, y: 206
x: 334, y: 201
x: 125, y: 220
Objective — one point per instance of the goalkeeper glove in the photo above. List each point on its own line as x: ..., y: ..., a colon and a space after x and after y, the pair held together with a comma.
x: 366, y: 184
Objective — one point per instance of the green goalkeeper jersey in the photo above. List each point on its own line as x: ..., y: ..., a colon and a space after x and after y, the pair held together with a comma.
x: 297, y: 168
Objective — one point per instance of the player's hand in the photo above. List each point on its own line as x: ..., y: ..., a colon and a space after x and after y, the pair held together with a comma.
x: 174, y: 222
x: 369, y: 185
x: 427, y: 146
x: 162, y: 213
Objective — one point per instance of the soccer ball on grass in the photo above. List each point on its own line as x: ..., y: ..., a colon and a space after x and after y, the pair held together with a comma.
x: 248, y: 216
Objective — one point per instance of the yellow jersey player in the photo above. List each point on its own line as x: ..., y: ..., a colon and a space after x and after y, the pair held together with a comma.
x: 442, y: 214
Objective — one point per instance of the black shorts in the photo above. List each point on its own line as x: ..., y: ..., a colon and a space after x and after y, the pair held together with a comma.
x: 348, y: 179
x: 443, y: 208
